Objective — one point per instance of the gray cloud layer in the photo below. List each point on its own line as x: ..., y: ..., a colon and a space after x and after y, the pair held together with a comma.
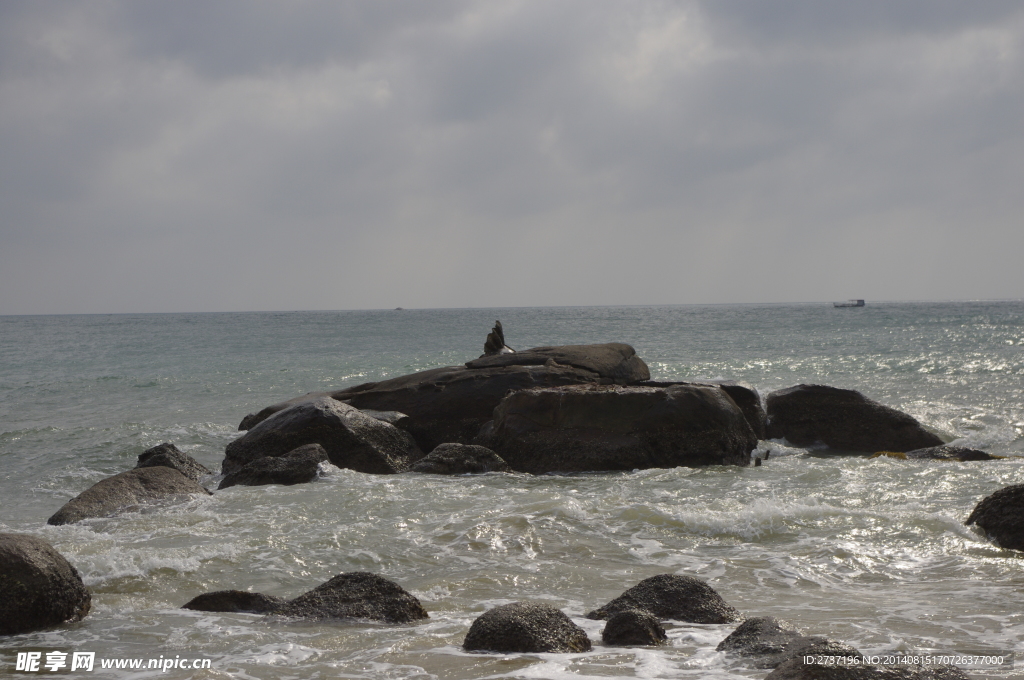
x: 334, y: 155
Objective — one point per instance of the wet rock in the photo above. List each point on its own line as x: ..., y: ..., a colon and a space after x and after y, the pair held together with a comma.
x: 356, y: 595
x: 1001, y: 517
x: 633, y: 627
x: 608, y: 427
x: 127, y: 491
x: 168, y: 455
x: 746, y: 397
x: 760, y: 635
x: 796, y: 668
x: 614, y: 361
x: 234, y: 601
x: 525, y: 628
x: 842, y: 419
x: 351, y: 438
x: 298, y: 466
x: 668, y: 596
x: 461, y: 459
x: 38, y: 588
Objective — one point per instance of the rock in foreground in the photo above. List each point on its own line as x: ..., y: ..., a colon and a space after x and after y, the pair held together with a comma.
x: 352, y: 439
x: 168, y: 455
x: 295, y: 467
x: 842, y: 419
x: 525, y: 628
x: 608, y: 427
x: 1001, y: 517
x: 234, y: 601
x: 127, y: 491
x: 461, y: 459
x: 633, y: 627
x: 356, y: 595
x: 38, y: 587
x: 668, y: 596
x: 760, y: 635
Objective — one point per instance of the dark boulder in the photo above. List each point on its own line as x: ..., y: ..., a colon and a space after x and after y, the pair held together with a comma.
x: 38, y: 587
x: 608, y: 427
x: 356, y: 595
x: 298, y: 466
x: 613, y: 362
x: 760, y: 635
x: 168, y: 455
x: 957, y: 453
x: 234, y: 601
x: 668, y: 596
x: 254, y: 419
x: 1001, y: 517
x: 842, y: 419
x: 746, y: 397
x: 127, y: 491
x: 633, y: 627
x: 525, y: 628
x: 460, y: 459
x: 795, y: 667
x: 351, y: 438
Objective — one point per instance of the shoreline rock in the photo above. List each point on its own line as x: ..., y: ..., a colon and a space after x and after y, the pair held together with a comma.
x: 670, y: 596
x: 299, y: 466
x: 168, y: 455
x: 460, y: 459
x: 1001, y: 516
x: 355, y: 595
x: 39, y: 588
x: 525, y: 628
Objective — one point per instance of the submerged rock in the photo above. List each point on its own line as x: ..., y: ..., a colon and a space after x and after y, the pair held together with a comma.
x: 127, y: 491
x: 38, y: 588
x: 356, y: 595
x: 842, y: 419
x: 608, y: 427
x: 168, y: 455
x: 238, y: 601
x: 351, y: 438
x: 298, y: 466
x: 1001, y: 517
x: 633, y: 627
x: 669, y: 596
x: 461, y: 459
x: 525, y: 628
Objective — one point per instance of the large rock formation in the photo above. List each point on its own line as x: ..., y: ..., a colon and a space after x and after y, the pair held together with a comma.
x: 525, y: 628
x: 668, y: 596
x: 607, y: 427
x: 351, y: 438
x: 842, y: 419
x: 234, y: 601
x: 168, y: 455
x: 127, y: 491
x: 461, y: 459
x: 614, y: 361
x: 298, y: 466
x: 38, y: 587
x: 746, y: 397
x: 1001, y: 516
x: 356, y: 595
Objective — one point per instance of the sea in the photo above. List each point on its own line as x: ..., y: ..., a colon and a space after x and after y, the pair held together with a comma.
x: 873, y: 552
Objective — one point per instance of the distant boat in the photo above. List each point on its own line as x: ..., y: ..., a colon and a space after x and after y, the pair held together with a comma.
x: 849, y: 303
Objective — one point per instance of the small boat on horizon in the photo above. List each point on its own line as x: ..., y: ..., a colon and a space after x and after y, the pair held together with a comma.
x: 849, y: 303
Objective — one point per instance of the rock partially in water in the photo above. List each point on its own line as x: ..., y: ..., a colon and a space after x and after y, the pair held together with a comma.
x: 298, y: 466
x: 607, y: 427
x: 39, y: 589
x: 127, y: 491
x: 351, y: 438
x: 669, y: 596
x: 614, y: 362
x: 235, y: 601
x: 168, y: 455
x: 760, y: 635
x: 461, y: 459
x: 525, y: 628
x: 745, y: 396
x: 957, y: 453
x: 842, y: 419
x: 1001, y: 517
x: 631, y: 627
x: 796, y: 667
x: 356, y: 595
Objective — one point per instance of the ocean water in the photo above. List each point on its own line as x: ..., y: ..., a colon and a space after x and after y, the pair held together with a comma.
x: 872, y: 552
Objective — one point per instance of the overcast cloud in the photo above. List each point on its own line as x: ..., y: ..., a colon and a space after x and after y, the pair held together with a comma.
x: 203, y: 156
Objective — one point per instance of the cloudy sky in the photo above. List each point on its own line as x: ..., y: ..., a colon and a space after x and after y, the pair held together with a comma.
x: 221, y: 155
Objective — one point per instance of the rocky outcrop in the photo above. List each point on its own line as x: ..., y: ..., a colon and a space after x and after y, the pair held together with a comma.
x: 608, y: 427
x: 298, y: 466
x: 614, y: 362
x: 633, y: 627
x: 953, y: 453
x: 669, y: 596
x: 234, y: 601
x: 127, y: 491
x: 842, y: 419
x: 746, y: 397
x: 460, y: 459
x: 38, y: 587
x: 351, y: 438
x: 1001, y: 517
x: 771, y: 640
x: 525, y: 628
x: 168, y: 455
x: 356, y: 595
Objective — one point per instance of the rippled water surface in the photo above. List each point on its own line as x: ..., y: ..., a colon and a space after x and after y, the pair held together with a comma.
x: 873, y: 552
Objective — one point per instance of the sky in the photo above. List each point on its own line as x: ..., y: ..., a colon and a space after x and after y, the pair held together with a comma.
x: 222, y: 155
